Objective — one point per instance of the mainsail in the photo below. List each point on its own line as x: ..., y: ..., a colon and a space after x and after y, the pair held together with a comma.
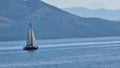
x: 31, y: 41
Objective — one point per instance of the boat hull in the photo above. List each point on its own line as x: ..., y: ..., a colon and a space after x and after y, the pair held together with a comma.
x: 30, y: 48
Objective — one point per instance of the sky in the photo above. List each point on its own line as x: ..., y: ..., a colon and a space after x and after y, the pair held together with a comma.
x: 92, y: 4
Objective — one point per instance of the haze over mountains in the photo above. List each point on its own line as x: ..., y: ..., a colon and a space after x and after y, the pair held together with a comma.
x: 49, y: 22
x: 99, y: 13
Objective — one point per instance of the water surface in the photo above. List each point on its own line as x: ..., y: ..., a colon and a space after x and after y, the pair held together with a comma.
x: 101, y: 52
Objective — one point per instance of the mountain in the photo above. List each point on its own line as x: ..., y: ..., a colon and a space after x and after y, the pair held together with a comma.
x: 118, y: 20
x: 49, y: 22
x: 99, y: 13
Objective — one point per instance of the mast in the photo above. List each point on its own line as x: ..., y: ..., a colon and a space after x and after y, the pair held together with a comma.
x: 31, y: 34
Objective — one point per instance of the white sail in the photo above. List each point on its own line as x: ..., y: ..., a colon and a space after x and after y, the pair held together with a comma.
x: 31, y: 41
x: 34, y: 40
x: 29, y: 36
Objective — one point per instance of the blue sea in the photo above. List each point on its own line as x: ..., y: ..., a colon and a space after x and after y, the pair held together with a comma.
x: 97, y: 52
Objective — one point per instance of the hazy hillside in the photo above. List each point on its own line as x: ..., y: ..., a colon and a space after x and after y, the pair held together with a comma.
x: 99, y: 13
x: 48, y: 22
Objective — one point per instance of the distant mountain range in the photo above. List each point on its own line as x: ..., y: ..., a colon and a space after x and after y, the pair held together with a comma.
x: 49, y: 22
x: 99, y: 13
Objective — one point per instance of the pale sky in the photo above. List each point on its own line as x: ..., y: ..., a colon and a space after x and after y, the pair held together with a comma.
x: 92, y: 4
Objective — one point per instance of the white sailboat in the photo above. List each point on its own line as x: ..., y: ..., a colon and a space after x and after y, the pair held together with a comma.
x: 31, y: 41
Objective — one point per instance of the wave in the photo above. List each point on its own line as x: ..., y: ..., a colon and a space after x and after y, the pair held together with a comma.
x: 83, y: 44
x: 10, y: 49
x: 80, y: 44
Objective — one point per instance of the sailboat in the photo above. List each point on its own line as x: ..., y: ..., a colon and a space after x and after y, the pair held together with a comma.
x: 31, y: 41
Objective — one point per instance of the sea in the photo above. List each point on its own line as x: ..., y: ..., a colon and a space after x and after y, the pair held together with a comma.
x: 92, y: 52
